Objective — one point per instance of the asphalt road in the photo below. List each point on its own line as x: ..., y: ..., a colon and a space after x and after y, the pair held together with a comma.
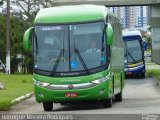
x: 140, y: 96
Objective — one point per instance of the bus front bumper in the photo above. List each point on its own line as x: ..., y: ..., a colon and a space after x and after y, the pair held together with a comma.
x: 97, y: 92
x: 135, y: 70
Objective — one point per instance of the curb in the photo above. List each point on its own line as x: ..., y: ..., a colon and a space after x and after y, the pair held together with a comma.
x: 19, y: 99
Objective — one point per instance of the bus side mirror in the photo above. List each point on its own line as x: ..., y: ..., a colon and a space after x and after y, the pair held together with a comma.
x: 109, y: 34
x: 26, y: 39
x: 144, y: 45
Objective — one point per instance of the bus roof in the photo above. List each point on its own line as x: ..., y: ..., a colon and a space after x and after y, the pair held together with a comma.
x: 130, y: 32
x: 69, y: 14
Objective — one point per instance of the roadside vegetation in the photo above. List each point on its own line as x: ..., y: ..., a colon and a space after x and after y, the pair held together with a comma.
x: 155, y: 73
x: 21, y: 19
x: 15, y: 86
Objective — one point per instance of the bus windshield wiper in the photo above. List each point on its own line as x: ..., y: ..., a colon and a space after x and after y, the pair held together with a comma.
x: 131, y: 57
x: 57, y: 62
x: 82, y: 61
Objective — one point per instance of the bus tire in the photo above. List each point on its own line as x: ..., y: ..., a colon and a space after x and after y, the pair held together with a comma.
x: 118, y: 97
x: 107, y: 103
x: 143, y: 75
x: 48, y: 106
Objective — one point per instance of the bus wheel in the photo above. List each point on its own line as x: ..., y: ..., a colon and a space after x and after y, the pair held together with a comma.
x: 118, y: 97
x: 48, y: 106
x: 107, y: 103
x: 143, y: 75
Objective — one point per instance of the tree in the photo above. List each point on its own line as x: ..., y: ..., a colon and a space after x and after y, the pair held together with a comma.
x: 149, y: 42
x: 149, y: 39
x: 2, y: 37
x: 29, y: 8
x: 1, y: 2
x: 18, y: 28
x: 46, y: 3
x: 19, y: 23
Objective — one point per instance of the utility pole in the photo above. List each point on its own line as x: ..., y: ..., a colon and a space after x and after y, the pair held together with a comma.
x: 8, y: 39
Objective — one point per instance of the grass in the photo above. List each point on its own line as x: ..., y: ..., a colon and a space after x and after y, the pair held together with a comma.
x: 15, y: 86
x: 154, y: 73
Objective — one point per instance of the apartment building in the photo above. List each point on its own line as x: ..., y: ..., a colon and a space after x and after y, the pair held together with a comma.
x: 133, y: 16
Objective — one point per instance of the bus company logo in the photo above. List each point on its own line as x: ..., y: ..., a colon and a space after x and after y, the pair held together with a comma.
x: 70, y: 86
x: 69, y: 74
x: 70, y: 80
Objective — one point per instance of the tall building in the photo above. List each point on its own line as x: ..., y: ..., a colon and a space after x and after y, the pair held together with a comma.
x: 133, y: 16
x: 142, y: 16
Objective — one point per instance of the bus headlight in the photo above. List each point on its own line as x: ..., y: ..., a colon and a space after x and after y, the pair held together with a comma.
x: 45, y: 84
x: 39, y: 83
x: 101, y: 80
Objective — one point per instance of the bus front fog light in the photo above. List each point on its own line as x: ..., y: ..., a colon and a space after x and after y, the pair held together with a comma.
x: 40, y: 94
x: 101, y: 91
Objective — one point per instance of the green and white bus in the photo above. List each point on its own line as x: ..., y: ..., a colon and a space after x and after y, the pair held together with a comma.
x: 65, y: 70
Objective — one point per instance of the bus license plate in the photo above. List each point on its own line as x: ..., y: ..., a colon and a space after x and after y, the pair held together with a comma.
x: 71, y: 95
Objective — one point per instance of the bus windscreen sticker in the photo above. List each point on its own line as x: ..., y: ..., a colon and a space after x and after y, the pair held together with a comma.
x: 74, y: 64
x: 51, y: 28
x: 102, y: 59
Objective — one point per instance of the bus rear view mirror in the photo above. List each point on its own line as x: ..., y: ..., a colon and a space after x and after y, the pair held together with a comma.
x: 109, y: 33
x: 26, y: 39
x: 144, y: 45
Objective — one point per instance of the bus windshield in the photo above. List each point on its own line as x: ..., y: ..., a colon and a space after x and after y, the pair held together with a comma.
x: 70, y: 48
x: 133, y: 51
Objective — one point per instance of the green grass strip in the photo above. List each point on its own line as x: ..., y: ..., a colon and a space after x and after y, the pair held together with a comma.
x: 155, y: 73
x: 15, y: 86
